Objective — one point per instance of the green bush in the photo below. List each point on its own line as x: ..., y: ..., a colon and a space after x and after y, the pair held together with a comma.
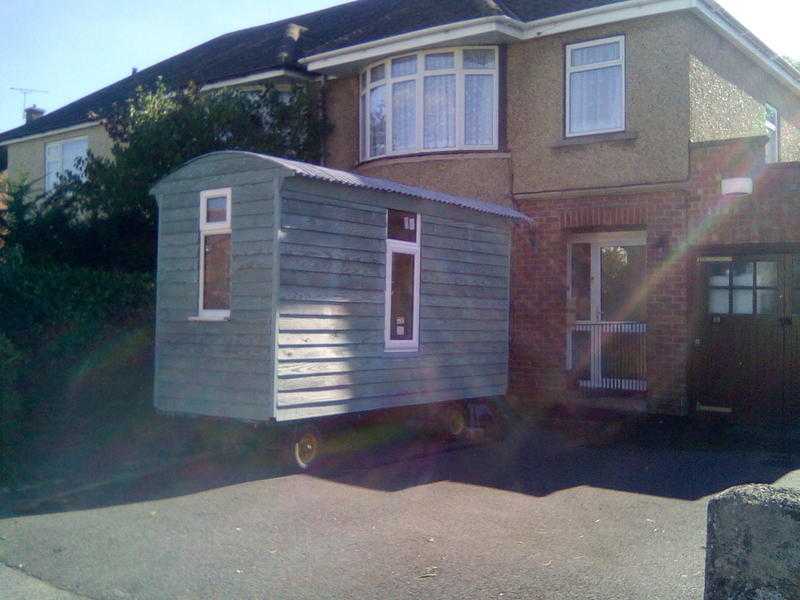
x: 64, y: 309
x: 53, y: 319
x: 11, y: 402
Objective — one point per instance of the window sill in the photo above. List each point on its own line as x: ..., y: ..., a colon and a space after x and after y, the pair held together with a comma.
x: 390, y: 350
x: 209, y: 319
x: 428, y: 155
x: 596, y: 138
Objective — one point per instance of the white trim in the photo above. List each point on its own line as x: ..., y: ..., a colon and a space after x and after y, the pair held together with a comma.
x: 773, y: 129
x: 570, y: 69
x: 494, y: 29
x: 413, y: 249
x: 207, y: 229
x: 273, y: 74
x: 388, y: 81
x: 504, y: 28
x: 710, y: 11
x: 50, y: 133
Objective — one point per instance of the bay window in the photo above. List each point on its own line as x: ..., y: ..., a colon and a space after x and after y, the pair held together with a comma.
x: 595, y: 82
x: 430, y: 102
x: 215, y: 255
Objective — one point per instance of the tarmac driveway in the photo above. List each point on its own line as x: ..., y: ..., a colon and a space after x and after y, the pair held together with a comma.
x: 557, y: 512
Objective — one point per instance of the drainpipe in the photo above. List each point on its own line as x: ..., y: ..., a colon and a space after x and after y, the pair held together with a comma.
x: 323, y: 114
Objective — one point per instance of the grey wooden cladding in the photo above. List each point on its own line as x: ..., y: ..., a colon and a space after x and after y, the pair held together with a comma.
x: 216, y: 368
x: 331, y: 352
x: 308, y: 291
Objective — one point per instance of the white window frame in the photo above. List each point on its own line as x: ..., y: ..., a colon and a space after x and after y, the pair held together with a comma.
x: 776, y: 129
x: 61, y: 168
x: 207, y: 229
x: 366, y: 85
x: 592, y: 67
x: 413, y: 249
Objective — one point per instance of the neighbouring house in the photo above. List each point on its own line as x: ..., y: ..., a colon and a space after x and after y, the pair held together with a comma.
x: 652, y: 142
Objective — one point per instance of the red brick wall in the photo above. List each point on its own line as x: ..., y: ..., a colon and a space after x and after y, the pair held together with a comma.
x: 678, y: 224
x: 539, y: 292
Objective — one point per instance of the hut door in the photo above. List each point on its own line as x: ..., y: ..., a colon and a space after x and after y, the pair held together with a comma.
x: 747, y: 349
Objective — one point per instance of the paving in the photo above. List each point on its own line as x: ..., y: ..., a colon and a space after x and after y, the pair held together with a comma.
x: 600, y: 511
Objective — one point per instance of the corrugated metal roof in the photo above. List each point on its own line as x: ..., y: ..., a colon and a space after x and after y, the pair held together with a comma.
x: 385, y: 185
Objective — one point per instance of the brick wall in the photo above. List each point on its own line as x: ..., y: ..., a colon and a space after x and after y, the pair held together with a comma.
x: 539, y: 293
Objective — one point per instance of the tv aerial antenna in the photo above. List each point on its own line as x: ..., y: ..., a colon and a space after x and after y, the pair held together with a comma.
x: 25, y: 93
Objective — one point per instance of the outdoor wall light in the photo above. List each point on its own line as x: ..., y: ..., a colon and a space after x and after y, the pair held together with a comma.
x: 737, y: 186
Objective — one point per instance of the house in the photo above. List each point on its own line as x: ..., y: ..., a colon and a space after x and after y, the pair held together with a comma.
x: 288, y: 291
x: 651, y: 141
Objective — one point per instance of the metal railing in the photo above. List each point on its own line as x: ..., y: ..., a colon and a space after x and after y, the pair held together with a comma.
x: 609, y: 355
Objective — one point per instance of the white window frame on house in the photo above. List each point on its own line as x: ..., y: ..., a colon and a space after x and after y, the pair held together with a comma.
x: 207, y: 229
x: 772, y: 121
x: 57, y: 148
x: 412, y: 249
x: 367, y: 85
x: 570, y: 70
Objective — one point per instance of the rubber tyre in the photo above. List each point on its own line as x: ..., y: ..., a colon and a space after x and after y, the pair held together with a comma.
x: 306, y: 448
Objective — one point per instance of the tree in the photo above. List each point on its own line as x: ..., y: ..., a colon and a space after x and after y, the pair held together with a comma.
x: 104, y: 216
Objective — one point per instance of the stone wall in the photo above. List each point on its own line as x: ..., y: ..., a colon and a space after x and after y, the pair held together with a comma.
x: 753, y: 547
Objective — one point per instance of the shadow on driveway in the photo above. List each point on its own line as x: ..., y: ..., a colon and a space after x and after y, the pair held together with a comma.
x: 668, y: 458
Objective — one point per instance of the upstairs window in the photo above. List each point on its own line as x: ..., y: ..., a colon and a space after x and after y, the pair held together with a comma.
x: 772, y: 123
x: 595, y: 82
x: 215, y: 254
x: 60, y: 157
x: 402, y: 281
x: 430, y: 102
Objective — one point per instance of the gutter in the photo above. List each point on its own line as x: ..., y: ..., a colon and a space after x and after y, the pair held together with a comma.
x: 500, y: 27
x: 50, y: 132
x: 272, y: 74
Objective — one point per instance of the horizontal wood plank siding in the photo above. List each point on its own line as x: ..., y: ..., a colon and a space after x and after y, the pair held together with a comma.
x: 223, y: 369
x: 331, y: 357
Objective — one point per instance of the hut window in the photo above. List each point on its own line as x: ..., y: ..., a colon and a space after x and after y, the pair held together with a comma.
x: 402, y: 281
x: 215, y: 254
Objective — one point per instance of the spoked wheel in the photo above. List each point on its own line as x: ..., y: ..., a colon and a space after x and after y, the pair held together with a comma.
x: 455, y: 421
x: 306, y: 447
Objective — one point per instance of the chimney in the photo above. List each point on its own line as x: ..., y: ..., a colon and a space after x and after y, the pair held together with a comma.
x: 32, y: 113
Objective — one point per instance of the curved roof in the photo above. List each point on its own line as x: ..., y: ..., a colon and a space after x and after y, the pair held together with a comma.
x: 355, y: 180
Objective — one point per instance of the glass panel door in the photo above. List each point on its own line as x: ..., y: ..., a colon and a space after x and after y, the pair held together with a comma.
x: 607, y: 306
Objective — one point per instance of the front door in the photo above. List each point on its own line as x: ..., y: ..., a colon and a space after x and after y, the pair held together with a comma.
x: 607, y: 324
x: 746, y: 345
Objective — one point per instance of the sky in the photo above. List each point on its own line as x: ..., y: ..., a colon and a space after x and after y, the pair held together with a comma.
x: 70, y: 49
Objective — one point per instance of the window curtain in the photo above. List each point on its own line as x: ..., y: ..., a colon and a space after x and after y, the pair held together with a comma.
x: 377, y: 121
x: 404, y: 115
x: 596, y: 100
x: 440, y: 111
x: 478, y: 110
